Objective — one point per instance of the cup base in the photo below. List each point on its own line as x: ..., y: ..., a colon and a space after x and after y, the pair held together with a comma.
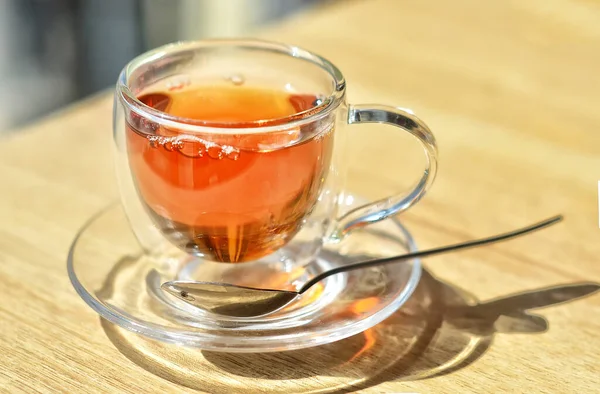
x: 120, y: 281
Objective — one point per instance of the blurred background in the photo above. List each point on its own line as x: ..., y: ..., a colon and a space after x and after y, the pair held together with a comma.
x: 54, y: 52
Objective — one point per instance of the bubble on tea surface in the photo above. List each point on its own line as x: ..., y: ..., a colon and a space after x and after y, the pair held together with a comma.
x: 231, y: 152
x: 153, y: 141
x: 215, y: 151
x: 234, y: 155
x: 191, y: 147
x: 237, y: 79
x: 170, y: 144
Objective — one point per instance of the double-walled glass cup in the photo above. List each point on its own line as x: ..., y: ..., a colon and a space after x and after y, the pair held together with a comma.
x: 263, y: 191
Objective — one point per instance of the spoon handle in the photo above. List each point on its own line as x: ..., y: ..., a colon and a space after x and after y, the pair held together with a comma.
x: 431, y: 252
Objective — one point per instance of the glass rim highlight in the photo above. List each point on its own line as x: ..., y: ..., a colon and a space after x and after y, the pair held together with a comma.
x: 329, y: 104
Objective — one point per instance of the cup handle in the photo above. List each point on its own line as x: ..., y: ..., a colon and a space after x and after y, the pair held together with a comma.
x: 384, y: 208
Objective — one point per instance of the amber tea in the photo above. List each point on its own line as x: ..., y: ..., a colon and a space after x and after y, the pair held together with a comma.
x: 232, y: 197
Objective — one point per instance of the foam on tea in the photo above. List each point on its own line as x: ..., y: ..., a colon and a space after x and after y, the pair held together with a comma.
x: 232, y: 197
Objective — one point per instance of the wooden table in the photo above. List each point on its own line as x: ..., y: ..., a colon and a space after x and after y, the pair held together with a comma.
x: 511, y: 89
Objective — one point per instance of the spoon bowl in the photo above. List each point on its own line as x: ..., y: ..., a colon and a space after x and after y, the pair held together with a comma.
x: 229, y: 300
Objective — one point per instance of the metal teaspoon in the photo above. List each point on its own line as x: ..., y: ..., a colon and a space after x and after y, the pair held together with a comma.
x: 240, y: 301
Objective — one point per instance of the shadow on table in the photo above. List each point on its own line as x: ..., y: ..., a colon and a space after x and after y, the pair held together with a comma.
x: 439, y: 330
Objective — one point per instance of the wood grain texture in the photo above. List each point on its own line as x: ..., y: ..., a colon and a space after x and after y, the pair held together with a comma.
x: 510, y: 88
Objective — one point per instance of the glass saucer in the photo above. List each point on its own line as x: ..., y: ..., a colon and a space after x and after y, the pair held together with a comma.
x: 121, y: 282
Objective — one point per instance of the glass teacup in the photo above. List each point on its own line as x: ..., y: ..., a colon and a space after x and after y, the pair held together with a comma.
x: 233, y: 151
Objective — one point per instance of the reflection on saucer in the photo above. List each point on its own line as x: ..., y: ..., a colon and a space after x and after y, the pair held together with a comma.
x: 122, y: 282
